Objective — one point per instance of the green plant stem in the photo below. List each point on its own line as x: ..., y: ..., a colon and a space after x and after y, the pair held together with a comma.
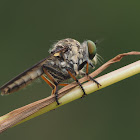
x: 90, y: 87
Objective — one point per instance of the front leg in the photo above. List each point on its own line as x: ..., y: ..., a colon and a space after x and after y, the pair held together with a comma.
x: 87, y: 66
x: 72, y: 76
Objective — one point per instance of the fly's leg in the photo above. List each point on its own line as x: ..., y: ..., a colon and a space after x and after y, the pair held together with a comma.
x: 98, y: 84
x: 48, y: 81
x: 53, y: 84
x: 50, y: 77
x: 56, y: 94
x: 63, y: 84
x: 72, y: 76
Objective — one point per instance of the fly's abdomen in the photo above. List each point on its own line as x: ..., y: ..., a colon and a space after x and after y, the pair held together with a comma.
x: 21, y: 81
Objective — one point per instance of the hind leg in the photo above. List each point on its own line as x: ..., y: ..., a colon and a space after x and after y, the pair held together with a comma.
x: 52, y: 83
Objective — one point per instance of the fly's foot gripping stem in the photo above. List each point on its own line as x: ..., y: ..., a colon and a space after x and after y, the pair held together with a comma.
x: 56, y: 98
x: 98, y: 84
x: 84, y: 95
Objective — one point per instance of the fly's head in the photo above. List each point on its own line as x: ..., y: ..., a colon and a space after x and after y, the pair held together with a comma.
x: 91, y: 51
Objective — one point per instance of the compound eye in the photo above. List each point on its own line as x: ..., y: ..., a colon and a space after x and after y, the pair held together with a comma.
x: 91, y: 49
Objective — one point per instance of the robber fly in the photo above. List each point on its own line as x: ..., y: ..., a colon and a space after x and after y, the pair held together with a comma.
x: 66, y: 60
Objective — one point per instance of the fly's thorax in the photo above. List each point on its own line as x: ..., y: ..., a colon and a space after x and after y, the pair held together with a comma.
x: 64, y: 43
x: 76, y: 55
x: 70, y: 56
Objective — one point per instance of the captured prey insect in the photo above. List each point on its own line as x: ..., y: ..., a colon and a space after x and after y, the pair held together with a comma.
x: 66, y: 60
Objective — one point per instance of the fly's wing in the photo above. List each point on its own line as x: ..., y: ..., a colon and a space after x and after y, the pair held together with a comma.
x: 23, y: 79
x: 27, y: 76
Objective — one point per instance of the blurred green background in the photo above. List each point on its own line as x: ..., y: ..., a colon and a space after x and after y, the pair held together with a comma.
x: 27, y: 30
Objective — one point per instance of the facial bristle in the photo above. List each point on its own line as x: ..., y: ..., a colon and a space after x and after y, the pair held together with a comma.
x: 99, y: 58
